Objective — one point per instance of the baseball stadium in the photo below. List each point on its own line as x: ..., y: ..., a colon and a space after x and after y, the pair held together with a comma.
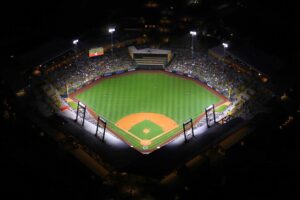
x: 131, y: 103
x: 147, y: 96
x: 150, y: 99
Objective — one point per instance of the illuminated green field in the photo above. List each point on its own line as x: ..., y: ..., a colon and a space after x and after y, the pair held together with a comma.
x: 175, y: 97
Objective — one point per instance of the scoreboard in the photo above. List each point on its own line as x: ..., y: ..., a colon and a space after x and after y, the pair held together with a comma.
x: 99, y: 51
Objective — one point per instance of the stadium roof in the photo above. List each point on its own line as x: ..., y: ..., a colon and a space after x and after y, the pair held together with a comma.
x: 252, y: 57
x: 44, y: 53
x: 256, y: 58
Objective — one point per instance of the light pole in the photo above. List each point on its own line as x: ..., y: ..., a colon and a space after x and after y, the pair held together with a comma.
x: 225, y: 46
x: 111, y: 31
x: 75, y: 42
x: 193, y: 33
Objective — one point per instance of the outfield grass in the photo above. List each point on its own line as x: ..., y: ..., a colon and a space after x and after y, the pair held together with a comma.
x: 175, y: 97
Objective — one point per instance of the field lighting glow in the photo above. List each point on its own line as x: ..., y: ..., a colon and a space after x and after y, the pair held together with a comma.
x: 225, y: 45
x: 193, y: 33
x: 111, y: 30
x: 75, y: 41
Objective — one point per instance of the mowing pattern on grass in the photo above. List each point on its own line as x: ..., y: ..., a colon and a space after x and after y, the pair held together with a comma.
x: 146, y: 130
x: 118, y: 96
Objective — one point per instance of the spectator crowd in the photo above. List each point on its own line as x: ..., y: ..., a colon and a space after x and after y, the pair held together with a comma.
x: 79, y: 69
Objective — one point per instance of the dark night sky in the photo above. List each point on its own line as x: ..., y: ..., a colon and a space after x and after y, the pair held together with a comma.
x: 31, y: 22
x: 27, y: 24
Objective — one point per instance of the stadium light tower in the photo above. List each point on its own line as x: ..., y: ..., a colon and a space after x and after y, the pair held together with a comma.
x: 75, y: 41
x: 193, y: 34
x: 225, y: 46
x: 111, y: 31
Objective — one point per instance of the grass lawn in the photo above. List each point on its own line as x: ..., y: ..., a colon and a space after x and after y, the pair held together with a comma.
x: 146, y: 130
x: 118, y: 96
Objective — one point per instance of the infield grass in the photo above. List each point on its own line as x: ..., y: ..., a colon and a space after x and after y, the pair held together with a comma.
x: 146, y: 130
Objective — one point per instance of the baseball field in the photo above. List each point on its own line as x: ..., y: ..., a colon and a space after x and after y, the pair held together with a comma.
x: 146, y: 109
